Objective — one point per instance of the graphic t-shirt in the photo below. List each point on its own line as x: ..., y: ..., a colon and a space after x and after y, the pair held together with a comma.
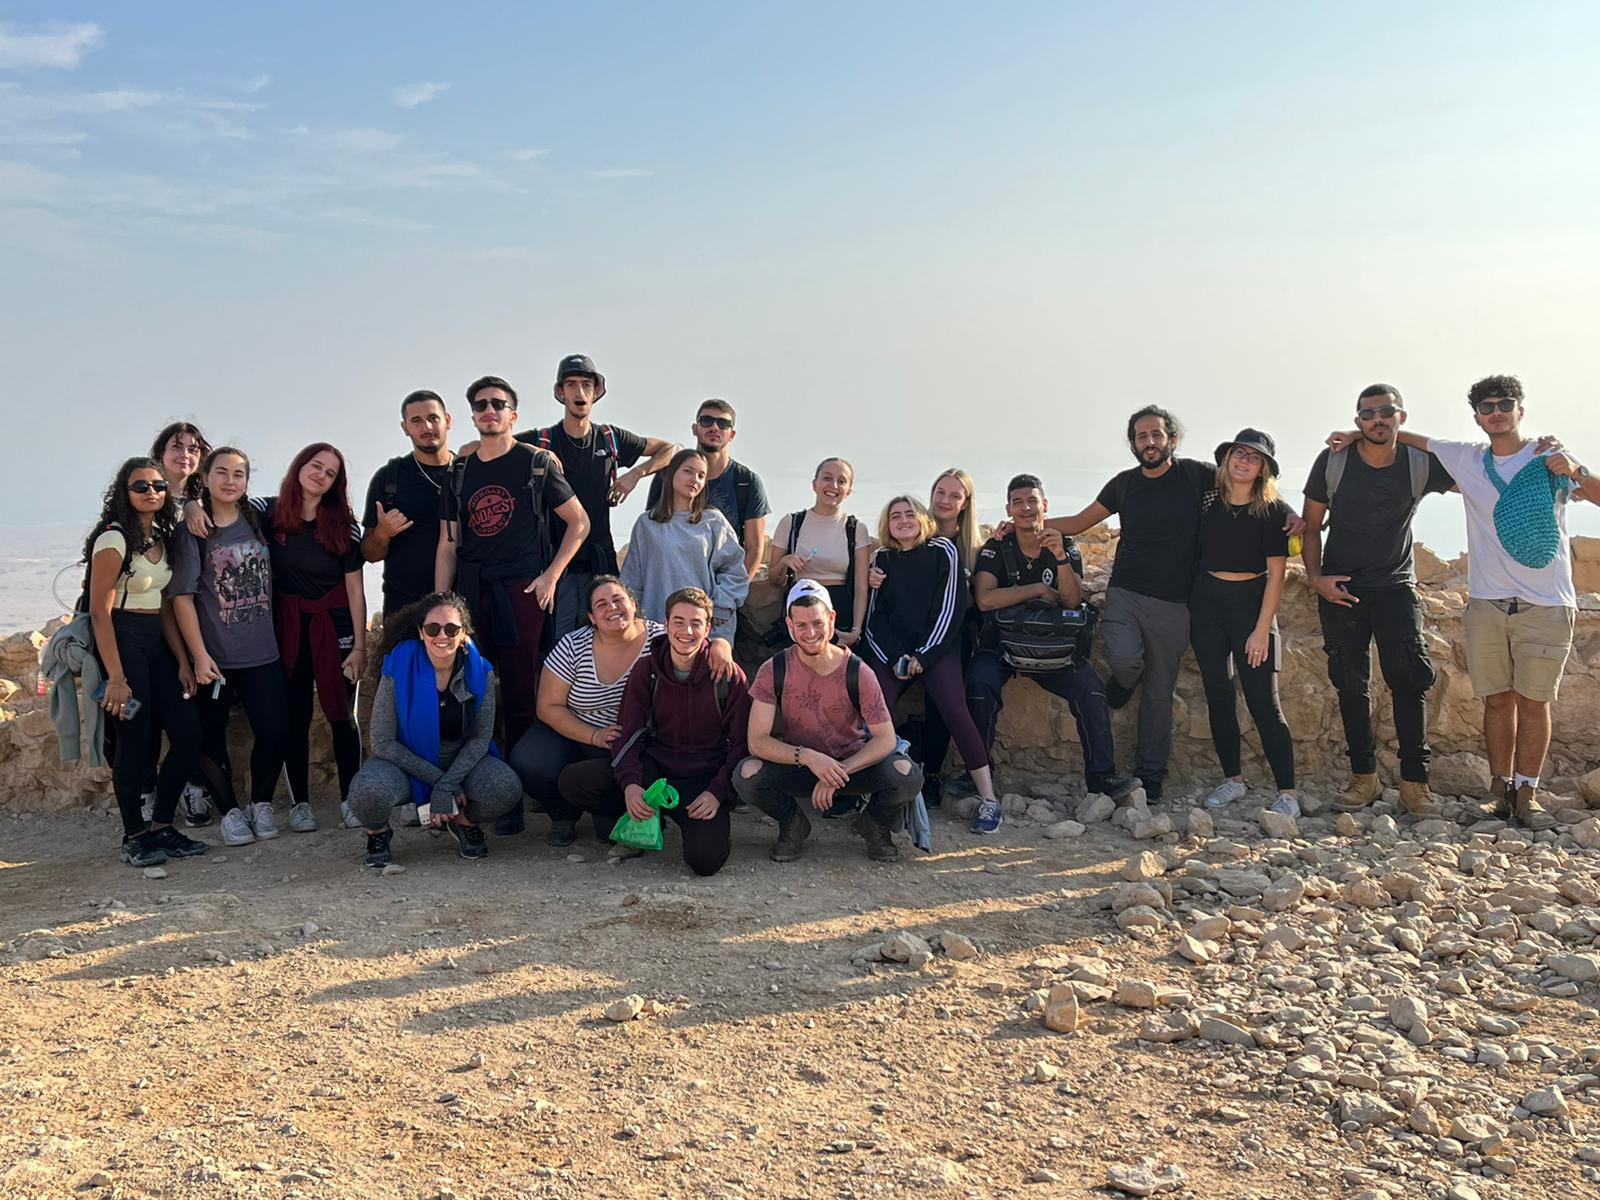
x: 816, y: 709
x: 500, y: 524
x: 587, y: 467
x: 229, y: 574
x: 722, y: 494
x: 408, y: 566
x: 1369, y: 521
x: 1160, y: 519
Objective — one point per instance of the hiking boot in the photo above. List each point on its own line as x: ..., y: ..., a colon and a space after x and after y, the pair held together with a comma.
x: 1152, y: 788
x: 1497, y: 803
x: 378, y: 853
x: 988, y: 818
x: 175, y: 845
x: 263, y: 822
x: 301, y: 818
x: 932, y: 792
x: 1529, y: 812
x: 562, y: 833
x: 471, y: 840
x: 1113, y: 785
x: 792, y: 836
x: 1417, y: 799
x: 195, y: 805
x: 1226, y: 792
x: 880, y: 846
x: 140, y: 850
x: 1117, y: 696
x: 1363, y: 790
x: 236, y: 828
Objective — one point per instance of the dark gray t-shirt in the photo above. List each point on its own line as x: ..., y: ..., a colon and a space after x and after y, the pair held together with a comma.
x: 229, y: 574
x: 1369, y: 523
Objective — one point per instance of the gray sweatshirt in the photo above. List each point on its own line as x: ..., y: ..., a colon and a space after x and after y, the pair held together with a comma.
x: 664, y: 556
x: 458, y: 757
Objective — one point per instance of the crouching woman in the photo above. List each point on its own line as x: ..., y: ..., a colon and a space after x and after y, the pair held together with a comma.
x: 432, y: 727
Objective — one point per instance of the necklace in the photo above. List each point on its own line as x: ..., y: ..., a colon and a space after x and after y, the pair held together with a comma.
x: 438, y: 487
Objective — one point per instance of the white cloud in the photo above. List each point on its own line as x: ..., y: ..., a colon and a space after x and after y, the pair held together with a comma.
x: 59, y: 46
x: 259, y: 83
x: 364, y: 141
x: 524, y: 155
x: 412, y: 94
x: 622, y: 173
x: 357, y: 215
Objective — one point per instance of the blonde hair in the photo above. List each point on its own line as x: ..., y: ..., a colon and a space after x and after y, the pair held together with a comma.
x: 926, y: 525
x: 843, y: 462
x: 966, y: 535
x: 1263, y: 491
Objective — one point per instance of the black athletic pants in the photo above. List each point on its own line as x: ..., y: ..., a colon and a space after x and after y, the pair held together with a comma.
x: 1393, y: 618
x: 264, y: 696
x: 152, y: 675
x: 1222, y: 614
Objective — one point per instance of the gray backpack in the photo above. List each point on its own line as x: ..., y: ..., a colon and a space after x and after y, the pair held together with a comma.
x: 1418, y: 459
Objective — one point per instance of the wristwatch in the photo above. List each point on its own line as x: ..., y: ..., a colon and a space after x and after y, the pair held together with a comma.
x: 1581, y: 474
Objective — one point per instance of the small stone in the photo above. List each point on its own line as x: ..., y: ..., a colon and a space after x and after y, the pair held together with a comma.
x: 98, y: 1179
x: 155, y: 872
x: 958, y: 946
x: 475, y: 1062
x: 1209, y: 929
x: 308, y: 929
x: 1345, y: 825
x: 1141, y: 1180
x: 1215, y: 1029
x: 1134, y: 993
x: 576, y: 858
x: 1545, y: 1102
x: 1064, y: 829
x: 1166, y: 1027
x: 1476, y: 1128
x: 1406, y: 1011
x: 1584, y: 968
x: 1200, y: 824
x: 625, y: 1009
x: 1195, y: 950
x: 1044, y: 1072
x: 1043, y: 1175
x: 1284, y: 894
x: 1096, y: 808
x: 1139, y: 917
x: 1063, y: 1015
x: 1287, y: 936
x: 393, y: 869
x: 1143, y: 866
x: 1277, y: 824
x: 900, y: 947
x: 1150, y: 827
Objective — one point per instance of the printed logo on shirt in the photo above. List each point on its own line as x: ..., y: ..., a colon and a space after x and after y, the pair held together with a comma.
x: 1048, y: 577
x: 242, y: 575
x: 489, y: 511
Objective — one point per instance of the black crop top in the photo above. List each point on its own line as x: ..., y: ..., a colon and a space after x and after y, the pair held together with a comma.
x: 1232, y: 539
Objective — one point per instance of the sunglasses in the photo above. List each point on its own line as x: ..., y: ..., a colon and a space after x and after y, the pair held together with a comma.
x: 1383, y: 410
x: 141, y: 486
x: 706, y: 421
x: 1485, y: 407
x: 434, y: 629
x: 494, y: 402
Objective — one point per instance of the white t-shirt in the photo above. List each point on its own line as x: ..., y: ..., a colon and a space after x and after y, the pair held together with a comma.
x: 1492, y: 574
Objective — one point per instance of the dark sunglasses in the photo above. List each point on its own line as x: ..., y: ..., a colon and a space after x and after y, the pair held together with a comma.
x: 706, y: 421
x: 433, y: 629
x: 141, y: 486
x: 1485, y: 407
x: 1383, y: 410
x: 494, y: 402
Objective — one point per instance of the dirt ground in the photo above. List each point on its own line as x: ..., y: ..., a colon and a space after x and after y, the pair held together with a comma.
x: 276, y: 1021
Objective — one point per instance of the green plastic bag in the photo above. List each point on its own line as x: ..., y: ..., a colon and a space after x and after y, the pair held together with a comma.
x: 646, y: 834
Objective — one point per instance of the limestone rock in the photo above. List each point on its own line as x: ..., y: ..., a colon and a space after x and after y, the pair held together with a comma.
x: 625, y: 1009
x: 958, y: 946
x: 902, y: 947
x: 1584, y: 968
x: 1283, y: 894
x: 1144, y: 1180
x: 1062, y: 1015
x: 1064, y: 829
x: 1096, y: 808
x: 1215, y: 1029
x: 1277, y: 824
x: 1199, y: 824
x: 1460, y: 774
x: 1142, y: 866
x: 1166, y: 1027
x: 1545, y: 1102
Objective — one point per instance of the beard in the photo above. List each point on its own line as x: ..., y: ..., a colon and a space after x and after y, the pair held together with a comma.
x: 1163, y: 456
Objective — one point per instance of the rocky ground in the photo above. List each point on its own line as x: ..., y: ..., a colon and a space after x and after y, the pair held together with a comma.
x: 1094, y: 1002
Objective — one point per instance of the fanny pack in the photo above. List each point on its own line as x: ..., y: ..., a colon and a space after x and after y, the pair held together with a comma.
x: 1038, y: 637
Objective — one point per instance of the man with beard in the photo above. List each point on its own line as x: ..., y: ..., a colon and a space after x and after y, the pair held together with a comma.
x: 732, y: 488
x: 401, y: 518
x: 1366, y: 590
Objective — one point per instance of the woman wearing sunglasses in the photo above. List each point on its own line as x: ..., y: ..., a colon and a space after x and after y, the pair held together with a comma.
x: 148, y: 679
x: 432, y: 728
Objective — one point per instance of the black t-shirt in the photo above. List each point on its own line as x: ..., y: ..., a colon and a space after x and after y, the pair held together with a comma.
x: 1369, y: 531
x: 1160, y: 521
x: 500, y: 524
x: 414, y: 489
x: 1046, y: 568
x: 1232, y: 538
x: 301, y: 565
x: 588, y: 468
x: 452, y: 717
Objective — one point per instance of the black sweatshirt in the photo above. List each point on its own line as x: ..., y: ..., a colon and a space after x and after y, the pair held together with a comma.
x: 919, y: 608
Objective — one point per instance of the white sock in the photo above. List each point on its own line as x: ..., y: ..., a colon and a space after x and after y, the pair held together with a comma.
x: 1528, y: 781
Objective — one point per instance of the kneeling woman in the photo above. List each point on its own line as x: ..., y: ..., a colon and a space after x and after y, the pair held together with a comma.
x: 432, y: 728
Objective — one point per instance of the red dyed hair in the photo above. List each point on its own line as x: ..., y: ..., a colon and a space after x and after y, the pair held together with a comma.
x: 334, y: 516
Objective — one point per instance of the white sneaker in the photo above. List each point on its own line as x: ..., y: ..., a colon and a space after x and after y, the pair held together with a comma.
x: 147, y: 805
x: 263, y: 822
x: 196, y: 805
x: 1226, y: 792
x: 302, y: 819
x: 1286, y: 804
x: 348, y: 817
x: 236, y: 828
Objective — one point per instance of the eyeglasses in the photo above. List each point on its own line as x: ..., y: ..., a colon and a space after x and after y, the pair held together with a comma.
x: 494, y: 402
x: 434, y: 629
x: 1485, y: 407
x: 706, y: 421
x: 141, y: 486
x: 1383, y: 410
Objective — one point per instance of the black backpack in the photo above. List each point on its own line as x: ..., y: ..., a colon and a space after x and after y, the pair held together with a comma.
x: 780, y: 668
x: 1038, y: 637
x: 538, y: 467
x: 795, y: 520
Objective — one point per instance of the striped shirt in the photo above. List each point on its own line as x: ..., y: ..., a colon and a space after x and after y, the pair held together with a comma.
x: 590, y: 699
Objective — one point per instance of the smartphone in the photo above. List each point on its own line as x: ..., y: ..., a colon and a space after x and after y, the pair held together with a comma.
x: 129, y: 710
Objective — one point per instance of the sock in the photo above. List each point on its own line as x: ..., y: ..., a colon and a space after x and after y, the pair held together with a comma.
x: 1528, y: 781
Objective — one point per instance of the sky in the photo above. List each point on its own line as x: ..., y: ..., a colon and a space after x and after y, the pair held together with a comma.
x: 917, y: 235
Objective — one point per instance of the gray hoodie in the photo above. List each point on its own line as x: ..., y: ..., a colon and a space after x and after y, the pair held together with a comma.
x: 664, y: 556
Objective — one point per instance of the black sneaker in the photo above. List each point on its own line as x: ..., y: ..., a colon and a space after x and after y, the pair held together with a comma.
x: 1152, y: 788
x: 792, y: 835
x: 1114, y: 785
x: 932, y: 792
x: 175, y: 844
x: 961, y: 785
x: 562, y: 833
x: 880, y: 846
x: 140, y: 850
x: 378, y: 854
x: 509, y: 824
x: 1117, y: 696
x: 470, y: 837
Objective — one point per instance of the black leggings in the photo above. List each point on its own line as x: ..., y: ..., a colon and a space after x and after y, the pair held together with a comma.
x: 152, y: 675
x: 297, y: 746
x: 935, y: 740
x: 944, y: 692
x: 1222, y: 614
x: 265, y: 698
x: 539, y: 757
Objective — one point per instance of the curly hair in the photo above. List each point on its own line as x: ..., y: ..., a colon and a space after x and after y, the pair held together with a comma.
x: 158, y: 450
x: 117, y: 511
x: 402, y: 626
x: 1168, y: 421
x: 1495, y: 387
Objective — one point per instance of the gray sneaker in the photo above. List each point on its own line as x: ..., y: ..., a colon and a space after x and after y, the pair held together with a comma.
x: 195, y: 805
x: 302, y: 819
x: 236, y: 829
x: 1226, y: 792
x: 263, y: 822
x: 348, y: 817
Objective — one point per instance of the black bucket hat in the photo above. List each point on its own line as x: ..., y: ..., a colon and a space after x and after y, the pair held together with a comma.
x: 1252, y: 439
x: 579, y: 364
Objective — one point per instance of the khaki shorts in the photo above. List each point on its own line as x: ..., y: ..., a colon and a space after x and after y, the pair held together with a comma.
x: 1523, y: 652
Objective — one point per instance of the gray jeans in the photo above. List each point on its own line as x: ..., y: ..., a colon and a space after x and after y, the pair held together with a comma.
x: 1144, y: 638
x: 490, y: 789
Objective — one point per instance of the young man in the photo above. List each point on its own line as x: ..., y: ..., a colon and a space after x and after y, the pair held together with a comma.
x: 1520, y: 600
x: 1033, y: 562
x: 732, y: 488
x: 401, y: 518
x: 1366, y: 589
x: 678, y: 724
x: 835, y: 737
x: 494, y: 545
x: 591, y: 456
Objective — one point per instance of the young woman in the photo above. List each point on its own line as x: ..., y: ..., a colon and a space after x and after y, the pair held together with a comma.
x: 148, y: 679
x: 824, y: 550
x: 683, y: 542
x: 1233, y: 611
x: 951, y: 503
x: 222, y: 595
x: 432, y: 733
x: 580, y: 699
x: 320, y: 608
x: 914, y: 625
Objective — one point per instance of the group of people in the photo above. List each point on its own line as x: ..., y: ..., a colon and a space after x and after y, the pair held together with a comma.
x: 520, y: 662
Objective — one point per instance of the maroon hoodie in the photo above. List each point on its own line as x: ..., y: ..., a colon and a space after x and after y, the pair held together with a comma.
x: 691, y: 740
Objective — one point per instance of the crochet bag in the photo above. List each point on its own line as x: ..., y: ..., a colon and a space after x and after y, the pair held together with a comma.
x: 1525, y: 513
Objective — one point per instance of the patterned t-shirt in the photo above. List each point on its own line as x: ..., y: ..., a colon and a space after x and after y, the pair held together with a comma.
x: 816, y: 710
x: 591, y: 699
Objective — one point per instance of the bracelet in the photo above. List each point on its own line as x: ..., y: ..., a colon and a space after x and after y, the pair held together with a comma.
x: 797, y: 756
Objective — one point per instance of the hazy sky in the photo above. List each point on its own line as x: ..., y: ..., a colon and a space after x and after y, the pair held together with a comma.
x: 914, y: 234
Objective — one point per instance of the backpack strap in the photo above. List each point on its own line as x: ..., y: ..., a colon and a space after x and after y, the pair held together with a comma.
x: 852, y: 681
x: 1008, y: 555
x: 780, y: 667
x: 608, y: 439
x: 541, y: 438
x: 741, y: 491
x: 1333, y: 471
x: 1419, y: 472
x: 795, y: 521
x: 850, y: 566
x: 454, y: 481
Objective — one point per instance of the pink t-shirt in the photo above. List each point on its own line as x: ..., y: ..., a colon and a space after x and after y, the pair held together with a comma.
x: 816, y: 710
